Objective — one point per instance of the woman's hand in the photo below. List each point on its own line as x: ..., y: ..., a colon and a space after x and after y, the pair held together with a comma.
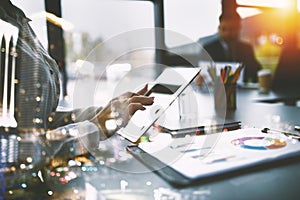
x: 121, y: 108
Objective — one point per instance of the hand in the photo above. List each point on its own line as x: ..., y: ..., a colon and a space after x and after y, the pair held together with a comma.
x: 121, y: 108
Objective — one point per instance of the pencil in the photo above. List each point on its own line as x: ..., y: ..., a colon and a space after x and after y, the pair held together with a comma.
x: 236, y: 75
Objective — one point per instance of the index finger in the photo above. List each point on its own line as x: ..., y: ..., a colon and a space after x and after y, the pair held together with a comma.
x: 143, y: 90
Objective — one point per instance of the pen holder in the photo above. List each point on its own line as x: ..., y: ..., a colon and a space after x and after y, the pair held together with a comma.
x: 225, y: 97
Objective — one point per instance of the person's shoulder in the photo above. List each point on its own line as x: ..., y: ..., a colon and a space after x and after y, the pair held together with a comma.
x: 213, y: 45
x: 212, y: 42
x: 12, y: 14
x: 208, y: 39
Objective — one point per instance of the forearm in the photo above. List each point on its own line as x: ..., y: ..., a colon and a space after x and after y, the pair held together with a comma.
x: 63, y: 118
x: 86, y: 134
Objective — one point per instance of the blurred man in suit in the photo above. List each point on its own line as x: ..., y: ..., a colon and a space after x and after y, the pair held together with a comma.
x: 228, y: 47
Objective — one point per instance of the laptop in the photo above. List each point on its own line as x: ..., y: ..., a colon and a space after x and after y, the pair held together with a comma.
x: 166, y: 88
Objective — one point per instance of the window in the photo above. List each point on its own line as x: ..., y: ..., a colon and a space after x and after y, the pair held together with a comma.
x: 107, y: 22
x: 272, y: 25
x: 110, y: 37
x: 191, y: 18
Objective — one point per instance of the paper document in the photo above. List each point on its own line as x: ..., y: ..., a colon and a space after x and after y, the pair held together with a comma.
x: 207, y: 155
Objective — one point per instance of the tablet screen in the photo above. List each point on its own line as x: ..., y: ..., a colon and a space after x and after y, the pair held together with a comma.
x: 165, y: 94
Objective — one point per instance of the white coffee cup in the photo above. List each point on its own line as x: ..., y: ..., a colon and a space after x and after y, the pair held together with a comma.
x: 264, y: 80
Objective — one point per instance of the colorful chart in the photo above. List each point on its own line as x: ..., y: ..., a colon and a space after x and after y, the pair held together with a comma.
x: 258, y: 143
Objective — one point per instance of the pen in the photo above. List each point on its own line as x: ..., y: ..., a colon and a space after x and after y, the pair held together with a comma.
x: 236, y: 75
x: 227, y: 72
x: 201, y: 130
x: 222, y: 73
x: 294, y: 136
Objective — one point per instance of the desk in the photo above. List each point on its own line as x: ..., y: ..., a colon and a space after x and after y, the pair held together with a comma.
x: 276, y: 182
x: 116, y: 175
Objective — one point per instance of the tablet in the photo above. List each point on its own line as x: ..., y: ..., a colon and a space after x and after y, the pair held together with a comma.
x: 166, y: 88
